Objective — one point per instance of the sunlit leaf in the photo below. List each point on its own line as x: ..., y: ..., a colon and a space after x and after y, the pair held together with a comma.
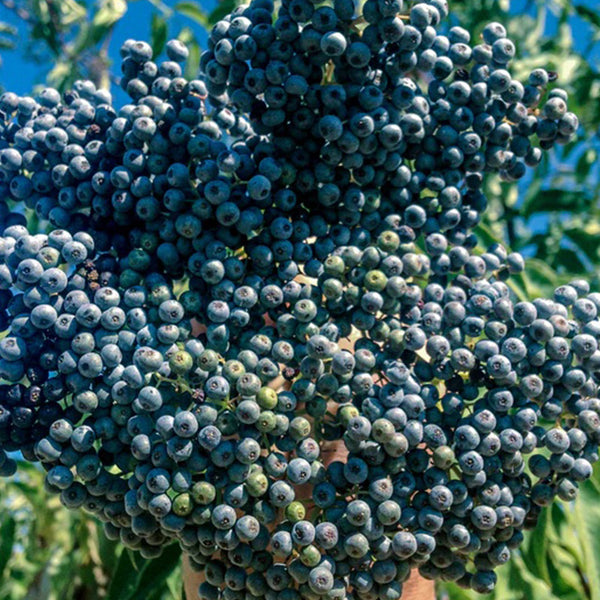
x: 7, y: 29
x: 192, y: 65
x: 109, y: 13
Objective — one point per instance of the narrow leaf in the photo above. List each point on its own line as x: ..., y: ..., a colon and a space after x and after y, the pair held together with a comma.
x: 588, y: 14
x: 535, y: 553
x: 125, y: 579
x: 155, y: 573
x: 193, y: 11
x: 192, y: 65
x: 159, y: 32
x: 587, y: 519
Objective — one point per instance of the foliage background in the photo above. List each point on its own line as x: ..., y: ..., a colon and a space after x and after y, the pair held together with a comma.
x: 553, y: 218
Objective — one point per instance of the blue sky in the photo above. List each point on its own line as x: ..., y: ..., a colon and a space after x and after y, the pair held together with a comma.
x: 19, y: 75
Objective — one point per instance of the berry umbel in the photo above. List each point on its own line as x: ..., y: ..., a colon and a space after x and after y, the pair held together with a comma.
x: 231, y: 272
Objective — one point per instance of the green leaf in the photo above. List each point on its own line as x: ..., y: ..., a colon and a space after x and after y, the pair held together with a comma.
x: 60, y: 74
x: 454, y: 592
x: 7, y: 29
x: 193, y: 11
x: 155, y: 573
x: 594, y: 480
x: 534, y: 554
x: 585, y: 239
x: 124, y: 580
x: 7, y: 538
x: 532, y: 191
x: 529, y: 586
x: 192, y: 64
x: 586, y: 161
x: 159, y: 32
x: 224, y: 7
x: 568, y: 260
x: 586, y: 513
x: 540, y: 274
x: 139, y: 579
x: 588, y: 14
x: 520, y: 285
x: 487, y: 235
x: 104, y: 19
x: 107, y: 550
x: 71, y: 12
x: 107, y: 16
x: 109, y: 13
x: 564, y: 573
x: 555, y: 200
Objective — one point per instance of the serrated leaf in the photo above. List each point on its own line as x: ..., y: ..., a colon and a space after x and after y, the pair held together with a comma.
x: 194, y: 11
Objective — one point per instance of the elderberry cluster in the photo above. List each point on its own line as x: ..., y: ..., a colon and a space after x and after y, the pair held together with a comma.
x: 248, y: 312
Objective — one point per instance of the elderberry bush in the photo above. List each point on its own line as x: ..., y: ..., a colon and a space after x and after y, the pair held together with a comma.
x: 235, y: 274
